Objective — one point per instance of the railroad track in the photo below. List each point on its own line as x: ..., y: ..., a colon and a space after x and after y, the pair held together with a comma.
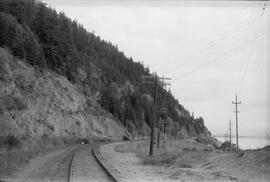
x: 76, y: 164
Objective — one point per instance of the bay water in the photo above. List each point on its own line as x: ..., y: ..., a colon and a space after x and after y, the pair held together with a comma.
x: 248, y: 142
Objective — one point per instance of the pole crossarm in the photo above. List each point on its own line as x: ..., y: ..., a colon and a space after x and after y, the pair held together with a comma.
x: 155, y: 80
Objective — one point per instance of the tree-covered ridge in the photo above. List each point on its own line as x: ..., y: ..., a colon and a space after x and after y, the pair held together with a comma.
x: 50, y: 40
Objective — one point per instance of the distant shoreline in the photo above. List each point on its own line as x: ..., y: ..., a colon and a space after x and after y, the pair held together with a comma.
x: 241, y: 136
x: 246, y: 142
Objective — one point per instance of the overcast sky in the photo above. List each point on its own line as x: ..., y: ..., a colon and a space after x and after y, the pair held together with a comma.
x: 211, y: 50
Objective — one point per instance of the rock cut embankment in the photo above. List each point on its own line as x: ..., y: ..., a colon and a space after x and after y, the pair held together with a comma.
x: 42, y: 105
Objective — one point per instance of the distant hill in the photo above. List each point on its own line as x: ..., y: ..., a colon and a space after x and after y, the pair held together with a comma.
x: 53, y: 43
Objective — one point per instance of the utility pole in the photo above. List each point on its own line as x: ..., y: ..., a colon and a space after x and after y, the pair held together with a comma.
x: 165, y: 125
x: 164, y: 110
x: 230, y: 131
x: 236, y: 119
x: 148, y: 79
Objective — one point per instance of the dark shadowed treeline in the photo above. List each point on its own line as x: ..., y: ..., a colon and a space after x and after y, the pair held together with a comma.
x: 51, y: 41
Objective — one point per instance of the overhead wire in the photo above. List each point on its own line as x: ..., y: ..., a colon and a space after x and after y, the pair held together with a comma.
x: 227, y: 34
x: 248, y: 60
x: 231, y: 52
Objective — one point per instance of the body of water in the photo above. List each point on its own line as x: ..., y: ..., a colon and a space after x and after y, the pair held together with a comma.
x: 248, y: 142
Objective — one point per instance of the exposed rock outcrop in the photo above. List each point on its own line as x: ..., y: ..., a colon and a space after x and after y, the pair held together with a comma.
x: 43, y: 104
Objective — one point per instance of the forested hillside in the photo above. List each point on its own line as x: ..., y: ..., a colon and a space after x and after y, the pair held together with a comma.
x: 50, y: 41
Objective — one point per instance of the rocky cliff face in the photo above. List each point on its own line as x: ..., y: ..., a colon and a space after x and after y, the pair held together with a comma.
x: 43, y: 104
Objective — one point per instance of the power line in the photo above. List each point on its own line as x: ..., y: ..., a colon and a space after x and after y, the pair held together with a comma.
x: 231, y: 51
x: 249, y: 55
x: 228, y: 54
x: 229, y: 33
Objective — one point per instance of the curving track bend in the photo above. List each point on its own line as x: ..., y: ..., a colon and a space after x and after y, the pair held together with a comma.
x: 74, y: 164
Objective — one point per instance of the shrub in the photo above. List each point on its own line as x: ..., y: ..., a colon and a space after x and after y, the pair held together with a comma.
x: 240, y: 154
x: 208, y: 149
x: 78, y: 123
x: 167, y: 157
x: 56, y: 140
x: 12, y: 141
x: 125, y: 138
x: 189, y: 149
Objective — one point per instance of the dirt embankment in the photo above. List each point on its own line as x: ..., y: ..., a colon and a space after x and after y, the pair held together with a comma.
x: 185, y: 160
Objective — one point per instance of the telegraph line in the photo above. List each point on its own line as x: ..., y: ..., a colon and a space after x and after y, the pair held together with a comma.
x: 247, y: 43
x: 237, y: 27
x: 229, y: 33
x: 249, y: 55
x: 228, y: 54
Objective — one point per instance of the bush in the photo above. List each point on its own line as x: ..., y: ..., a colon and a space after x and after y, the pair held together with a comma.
x: 208, y: 149
x: 78, y: 123
x: 125, y: 138
x: 12, y: 141
x: 168, y: 157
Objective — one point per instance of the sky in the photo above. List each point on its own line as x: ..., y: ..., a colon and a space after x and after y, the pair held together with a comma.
x: 211, y: 50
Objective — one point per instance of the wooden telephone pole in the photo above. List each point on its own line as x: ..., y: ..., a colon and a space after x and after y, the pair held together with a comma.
x: 163, y: 110
x: 148, y: 79
x: 230, y: 131
x: 153, y: 79
x: 236, y: 119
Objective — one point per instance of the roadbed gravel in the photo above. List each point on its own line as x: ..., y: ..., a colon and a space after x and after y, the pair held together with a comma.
x: 127, y: 166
